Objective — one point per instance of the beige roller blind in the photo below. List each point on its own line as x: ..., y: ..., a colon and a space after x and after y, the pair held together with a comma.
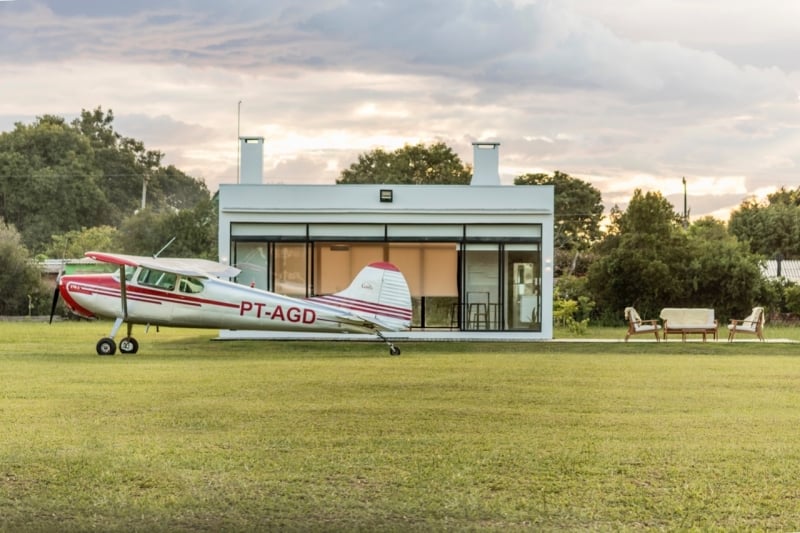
x: 431, y: 269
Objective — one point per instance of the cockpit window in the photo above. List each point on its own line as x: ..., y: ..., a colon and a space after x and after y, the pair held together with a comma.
x: 129, y: 272
x: 190, y: 285
x: 157, y: 278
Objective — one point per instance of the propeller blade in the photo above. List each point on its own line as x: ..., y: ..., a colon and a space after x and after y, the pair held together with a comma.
x: 55, y: 303
x: 56, y: 291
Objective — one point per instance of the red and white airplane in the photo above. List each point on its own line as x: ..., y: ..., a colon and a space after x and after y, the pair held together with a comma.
x: 190, y: 293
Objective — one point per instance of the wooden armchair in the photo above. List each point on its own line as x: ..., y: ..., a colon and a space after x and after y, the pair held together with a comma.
x: 753, y: 324
x: 636, y: 325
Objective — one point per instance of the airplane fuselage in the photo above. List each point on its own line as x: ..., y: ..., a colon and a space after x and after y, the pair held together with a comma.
x: 218, y: 304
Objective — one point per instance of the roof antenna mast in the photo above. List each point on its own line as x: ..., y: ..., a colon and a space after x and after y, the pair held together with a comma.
x: 155, y: 256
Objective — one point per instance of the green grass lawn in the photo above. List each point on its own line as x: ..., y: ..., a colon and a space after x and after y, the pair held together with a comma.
x: 197, y: 435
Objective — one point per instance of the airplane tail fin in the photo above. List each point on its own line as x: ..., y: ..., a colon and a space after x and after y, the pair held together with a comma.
x: 379, y: 293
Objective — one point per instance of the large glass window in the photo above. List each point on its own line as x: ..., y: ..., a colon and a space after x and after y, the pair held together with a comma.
x: 486, y: 283
x: 290, y: 269
x: 251, y: 259
x: 337, y: 264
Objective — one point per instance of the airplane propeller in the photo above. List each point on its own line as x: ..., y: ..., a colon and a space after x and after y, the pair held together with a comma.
x: 56, y: 292
x: 55, y: 303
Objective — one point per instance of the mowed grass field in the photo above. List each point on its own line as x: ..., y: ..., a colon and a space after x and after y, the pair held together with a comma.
x: 197, y: 435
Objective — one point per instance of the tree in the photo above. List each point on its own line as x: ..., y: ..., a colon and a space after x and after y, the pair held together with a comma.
x: 578, y: 212
x: 48, y: 182
x: 578, y: 209
x: 57, y: 178
x: 650, y: 262
x: 20, y: 280
x: 418, y: 164
x: 769, y: 228
x: 722, y: 273
x: 74, y: 244
x: 194, y: 230
x: 125, y: 164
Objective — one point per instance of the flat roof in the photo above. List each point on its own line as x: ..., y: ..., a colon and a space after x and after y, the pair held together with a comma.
x: 521, y: 199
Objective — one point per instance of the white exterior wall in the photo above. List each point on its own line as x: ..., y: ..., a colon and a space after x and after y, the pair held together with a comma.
x: 425, y: 206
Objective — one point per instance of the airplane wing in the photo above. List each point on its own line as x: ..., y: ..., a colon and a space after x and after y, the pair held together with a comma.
x: 201, y: 268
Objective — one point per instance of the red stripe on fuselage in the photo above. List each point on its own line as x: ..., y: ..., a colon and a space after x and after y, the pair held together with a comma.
x: 108, y: 286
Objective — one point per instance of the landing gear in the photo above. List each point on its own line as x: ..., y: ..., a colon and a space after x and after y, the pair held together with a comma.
x: 106, y: 346
x: 128, y: 345
x: 393, y: 350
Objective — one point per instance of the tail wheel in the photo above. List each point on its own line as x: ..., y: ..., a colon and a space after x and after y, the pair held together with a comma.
x: 128, y: 345
x: 106, y: 346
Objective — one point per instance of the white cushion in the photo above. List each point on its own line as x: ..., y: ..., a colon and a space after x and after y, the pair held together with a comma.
x: 688, y: 318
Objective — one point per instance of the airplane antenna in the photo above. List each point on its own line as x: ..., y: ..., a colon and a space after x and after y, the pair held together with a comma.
x: 155, y: 256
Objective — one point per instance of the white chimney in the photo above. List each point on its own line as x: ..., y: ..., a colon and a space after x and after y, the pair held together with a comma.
x: 252, y: 160
x: 485, y: 164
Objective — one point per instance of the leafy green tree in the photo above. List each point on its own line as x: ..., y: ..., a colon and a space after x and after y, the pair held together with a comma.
x: 723, y: 273
x: 48, y: 182
x: 649, y: 261
x: 57, y: 177
x: 578, y: 209
x: 416, y: 165
x: 194, y: 232
x: 637, y: 260
x: 125, y: 164
x: 74, y: 244
x: 792, y: 295
x: 176, y: 190
x: 578, y: 212
x: 770, y: 228
x: 20, y: 280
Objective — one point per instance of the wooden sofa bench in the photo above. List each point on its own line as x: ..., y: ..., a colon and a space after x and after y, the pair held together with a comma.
x: 689, y: 320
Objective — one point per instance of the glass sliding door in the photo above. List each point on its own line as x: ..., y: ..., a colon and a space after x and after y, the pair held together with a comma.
x: 481, y: 298
x: 291, y: 269
x: 431, y: 270
x: 523, y: 277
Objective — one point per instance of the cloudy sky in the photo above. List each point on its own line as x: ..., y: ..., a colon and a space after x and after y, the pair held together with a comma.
x: 622, y: 94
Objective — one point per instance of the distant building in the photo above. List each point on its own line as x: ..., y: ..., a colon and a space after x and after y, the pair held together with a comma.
x: 478, y: 258
x: 788, y: 269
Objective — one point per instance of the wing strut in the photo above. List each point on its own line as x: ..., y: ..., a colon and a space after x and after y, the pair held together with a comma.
x: 123, y: 291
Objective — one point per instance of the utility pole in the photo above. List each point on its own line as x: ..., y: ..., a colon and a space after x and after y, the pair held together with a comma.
x: 685, y: 211
x: 238, y: 139
x: 144, y: 190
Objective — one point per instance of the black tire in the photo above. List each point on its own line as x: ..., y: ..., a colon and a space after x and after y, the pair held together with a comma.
x: 394, y: 350
x: 128, y: 345
x: 106, y: 346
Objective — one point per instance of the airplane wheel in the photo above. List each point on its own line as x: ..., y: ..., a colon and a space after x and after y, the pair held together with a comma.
x: 394, y: 350
x: 106, y: 346
x: 128, y: 345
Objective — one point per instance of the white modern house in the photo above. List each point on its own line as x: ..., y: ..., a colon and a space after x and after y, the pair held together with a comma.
x: 478, y: 258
